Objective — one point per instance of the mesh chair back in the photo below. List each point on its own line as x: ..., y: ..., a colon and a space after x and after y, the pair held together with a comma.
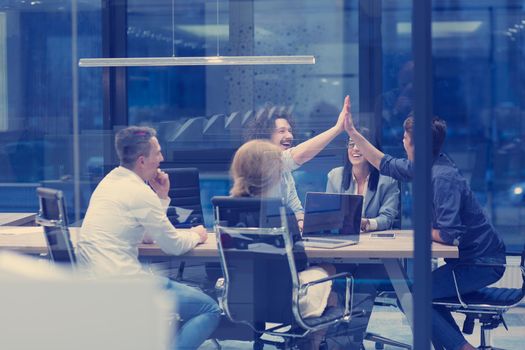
x: 185, y: 192
x: 257, y: 260
x: 52, y: 216
x: 522, y: 264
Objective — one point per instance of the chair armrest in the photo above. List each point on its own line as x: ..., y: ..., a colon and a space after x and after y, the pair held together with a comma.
x: 46, y: 222
x: 487, y: 265
x: 326, y: 279
x: 465, y: 305
x: 349, y: 286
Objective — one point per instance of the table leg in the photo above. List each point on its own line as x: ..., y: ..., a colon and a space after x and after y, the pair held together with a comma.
x: 398, y: 278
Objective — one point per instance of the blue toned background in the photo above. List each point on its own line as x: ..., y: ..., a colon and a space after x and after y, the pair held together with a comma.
x: 478, y: 89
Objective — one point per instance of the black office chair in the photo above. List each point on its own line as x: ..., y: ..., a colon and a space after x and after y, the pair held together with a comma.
x: 185, y: 193
x: 487, y: 305
x: 256, y: 250
x: 52, y: 217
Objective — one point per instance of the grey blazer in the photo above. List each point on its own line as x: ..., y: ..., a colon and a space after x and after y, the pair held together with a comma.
x: 381, y: 204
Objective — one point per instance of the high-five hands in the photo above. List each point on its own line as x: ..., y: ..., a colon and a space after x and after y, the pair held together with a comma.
x: 160, y: 184
x: 340, y: 125
x: 348, y: 120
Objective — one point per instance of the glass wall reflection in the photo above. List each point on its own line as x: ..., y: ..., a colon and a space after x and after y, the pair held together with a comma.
x: 36, y: 118
x: 477, y: 87
x: 202, y: 113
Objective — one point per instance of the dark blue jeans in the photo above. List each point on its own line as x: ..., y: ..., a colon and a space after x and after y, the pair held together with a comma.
x: 445, y: 332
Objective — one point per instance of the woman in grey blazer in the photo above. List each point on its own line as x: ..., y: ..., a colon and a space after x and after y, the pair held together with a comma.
x: 358, y: 176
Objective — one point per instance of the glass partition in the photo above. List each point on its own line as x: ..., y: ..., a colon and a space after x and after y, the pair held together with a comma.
x: 36, y: 99
x: 476, y: 90
x: 203, y: 113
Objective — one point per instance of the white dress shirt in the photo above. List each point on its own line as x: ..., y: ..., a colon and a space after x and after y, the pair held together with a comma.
x: 121, y: 210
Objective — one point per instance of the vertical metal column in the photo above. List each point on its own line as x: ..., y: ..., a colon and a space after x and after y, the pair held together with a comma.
x: 242, y: 36
x: 114, y: 44
x: 422, y: 48
x: 370, y: 63
x: 74, y: 103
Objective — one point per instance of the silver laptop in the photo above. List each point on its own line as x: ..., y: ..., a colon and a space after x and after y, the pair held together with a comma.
x: 331, y: 220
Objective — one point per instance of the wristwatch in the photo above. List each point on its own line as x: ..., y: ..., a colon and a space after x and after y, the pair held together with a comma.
x: 367, y: 225
x: 300, y: 228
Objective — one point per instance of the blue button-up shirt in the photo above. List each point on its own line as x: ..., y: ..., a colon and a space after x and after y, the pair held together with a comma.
x: 456, y: 213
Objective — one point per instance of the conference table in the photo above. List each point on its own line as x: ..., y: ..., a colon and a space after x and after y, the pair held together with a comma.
x: 16, y: 219
x: 387, y: 251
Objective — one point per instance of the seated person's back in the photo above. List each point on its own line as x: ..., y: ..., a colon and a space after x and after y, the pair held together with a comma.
x: 256, y: 171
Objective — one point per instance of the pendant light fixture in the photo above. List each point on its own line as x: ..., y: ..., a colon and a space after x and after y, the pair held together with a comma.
x: 217, y: 60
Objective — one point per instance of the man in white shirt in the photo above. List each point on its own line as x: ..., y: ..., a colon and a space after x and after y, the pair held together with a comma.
x: 124, y: 208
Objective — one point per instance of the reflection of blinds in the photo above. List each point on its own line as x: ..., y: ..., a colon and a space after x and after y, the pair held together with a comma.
x: 3, y: 73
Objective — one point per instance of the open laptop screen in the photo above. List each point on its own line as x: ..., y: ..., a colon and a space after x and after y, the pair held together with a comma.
x: 332, y: 214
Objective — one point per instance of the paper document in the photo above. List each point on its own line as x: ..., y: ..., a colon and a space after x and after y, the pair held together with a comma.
x: 182, y: 214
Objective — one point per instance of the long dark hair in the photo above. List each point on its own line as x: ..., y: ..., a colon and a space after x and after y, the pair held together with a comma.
x: 347, y: 169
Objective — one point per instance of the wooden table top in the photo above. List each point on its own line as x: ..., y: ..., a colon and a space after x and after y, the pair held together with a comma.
x: 16, y: 219
x: 30, y: 240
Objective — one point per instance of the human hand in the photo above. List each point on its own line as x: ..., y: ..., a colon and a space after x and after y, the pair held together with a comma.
x: 300, y: 224
x: 201, y: 231
x: 160, y: 184
x: 365, y: 224
x: 147, y: 239
x: 349, y: 120
x: 340, y: 125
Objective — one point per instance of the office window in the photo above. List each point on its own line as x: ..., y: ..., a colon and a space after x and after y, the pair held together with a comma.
x: 36, y: 101
x: 191, y: 107
x: 478, y: 83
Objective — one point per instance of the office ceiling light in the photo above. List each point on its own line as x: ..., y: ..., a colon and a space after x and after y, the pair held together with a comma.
x: 441, y: 29
x: 194, y: 61
x: 217, y: 60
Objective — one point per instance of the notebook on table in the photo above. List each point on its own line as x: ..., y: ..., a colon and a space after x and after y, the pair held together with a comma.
x: 331, y: 220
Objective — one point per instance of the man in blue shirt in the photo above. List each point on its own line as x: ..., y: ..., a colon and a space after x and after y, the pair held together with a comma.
x: 457, y: 219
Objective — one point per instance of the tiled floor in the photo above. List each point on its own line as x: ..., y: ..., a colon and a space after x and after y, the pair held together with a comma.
x: 391, y: 323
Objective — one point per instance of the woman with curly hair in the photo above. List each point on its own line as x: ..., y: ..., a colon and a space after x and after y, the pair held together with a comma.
x: 277, y: 128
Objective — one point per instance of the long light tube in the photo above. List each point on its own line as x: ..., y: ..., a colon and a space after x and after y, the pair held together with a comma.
x: 194, y: 61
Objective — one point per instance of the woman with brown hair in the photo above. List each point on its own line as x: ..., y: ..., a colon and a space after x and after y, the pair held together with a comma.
x: 256, y: 171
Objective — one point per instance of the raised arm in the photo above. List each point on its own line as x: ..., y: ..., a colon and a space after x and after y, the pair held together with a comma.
x: 305, y: 151
x: 372, y: 154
